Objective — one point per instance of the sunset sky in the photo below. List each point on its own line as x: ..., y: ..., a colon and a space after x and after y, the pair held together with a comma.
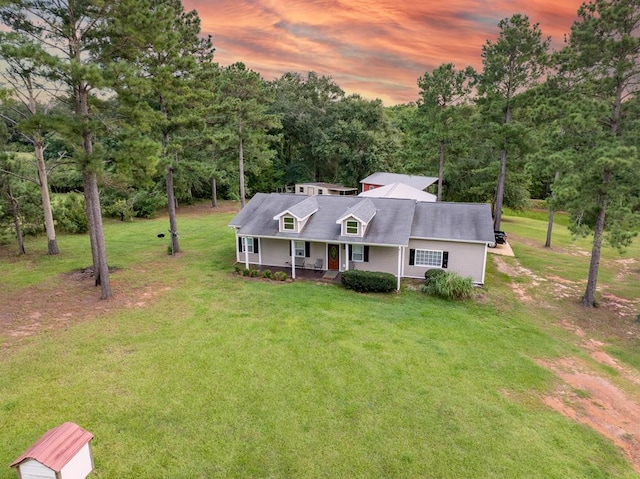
x: 377, y: 48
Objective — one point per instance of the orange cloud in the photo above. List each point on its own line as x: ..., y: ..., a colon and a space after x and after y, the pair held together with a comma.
x: 376, y: 48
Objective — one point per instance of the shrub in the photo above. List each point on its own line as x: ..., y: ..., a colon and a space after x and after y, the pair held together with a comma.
x: 246, y: 271
x: 69, y: 213
x: 238, y: 269
x: 147, y: 203
x: 120, y: 208
x: 369, y: 281
x: 449, y: 286
x: 266, y: 274
x: 253, y: 273
x: 433, y: 274
x: 280, y: 276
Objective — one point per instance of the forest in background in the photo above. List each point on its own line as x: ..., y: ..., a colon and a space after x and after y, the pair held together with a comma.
x: 119, y: 109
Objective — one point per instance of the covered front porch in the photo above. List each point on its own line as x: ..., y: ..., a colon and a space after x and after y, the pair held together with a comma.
x: 305, y: 274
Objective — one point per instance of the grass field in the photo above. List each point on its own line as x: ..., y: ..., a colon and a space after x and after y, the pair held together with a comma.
x: 221, y: 376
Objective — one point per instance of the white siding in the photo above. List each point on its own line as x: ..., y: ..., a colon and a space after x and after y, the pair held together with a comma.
x: 32, y: 469
x: 381, y: 258
x: 275, y: 252
x: 79, y: 466
x: 466, y: 259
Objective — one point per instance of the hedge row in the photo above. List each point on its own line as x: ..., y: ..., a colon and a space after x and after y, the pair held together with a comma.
x: 368, y: 281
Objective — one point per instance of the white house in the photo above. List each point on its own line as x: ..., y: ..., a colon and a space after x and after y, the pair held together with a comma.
x: 404, y: 237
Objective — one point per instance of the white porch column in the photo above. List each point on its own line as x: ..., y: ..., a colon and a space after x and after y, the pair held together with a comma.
x: 293, y: 259
x: 399, y: 266
x: 246, y: 252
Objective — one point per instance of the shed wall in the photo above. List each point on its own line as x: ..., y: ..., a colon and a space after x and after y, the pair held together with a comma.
x: 32, y: 469
x: 79, y: 466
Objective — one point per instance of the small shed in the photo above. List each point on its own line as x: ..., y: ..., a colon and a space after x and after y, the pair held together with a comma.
x: 63, y: 452
x: 331, y: 189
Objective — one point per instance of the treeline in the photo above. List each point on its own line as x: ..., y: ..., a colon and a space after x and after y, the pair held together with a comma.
x: 119, y: 109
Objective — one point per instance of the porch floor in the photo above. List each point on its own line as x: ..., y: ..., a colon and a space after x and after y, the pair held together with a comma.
x: 305, y: 274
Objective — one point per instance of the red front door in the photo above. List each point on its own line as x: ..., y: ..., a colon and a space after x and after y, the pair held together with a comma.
x: 334, y: 256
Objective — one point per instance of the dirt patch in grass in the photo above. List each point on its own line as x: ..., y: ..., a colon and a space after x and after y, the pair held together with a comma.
x: 593, y: 400
x: 68, y: 299
x: 584, y: 393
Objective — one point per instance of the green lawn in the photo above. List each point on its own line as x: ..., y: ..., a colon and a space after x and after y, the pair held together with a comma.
x: 222, y: 376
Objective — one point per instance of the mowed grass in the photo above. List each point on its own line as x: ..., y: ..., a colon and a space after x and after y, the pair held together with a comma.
x: 221, y: 376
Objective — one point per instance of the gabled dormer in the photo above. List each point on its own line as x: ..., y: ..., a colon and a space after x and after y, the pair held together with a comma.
x: 355, y: 220
x: 294, y: 219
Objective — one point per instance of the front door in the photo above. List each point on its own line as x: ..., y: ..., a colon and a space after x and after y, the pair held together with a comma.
x: 334, y: 256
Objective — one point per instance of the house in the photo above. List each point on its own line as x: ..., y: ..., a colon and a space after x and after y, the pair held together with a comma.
x: 324, y: 189
x: 404, y: 237
x: 380, y: 179
x: 398, y: 190
x: 63, y: 452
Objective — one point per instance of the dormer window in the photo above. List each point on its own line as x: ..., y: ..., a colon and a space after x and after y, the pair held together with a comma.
x: 288, y: 223
x: 295, y: 218
x: 352, y: 227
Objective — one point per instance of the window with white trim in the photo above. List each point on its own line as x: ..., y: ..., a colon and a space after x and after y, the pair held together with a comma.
x: 357, y: 253
x: 300, y: 248
x: 351, y: 227
x: 288, y: 223
x: 425, y: 257
x: 247, y: 244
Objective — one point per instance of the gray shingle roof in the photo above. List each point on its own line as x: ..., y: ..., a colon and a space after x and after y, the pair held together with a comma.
x: 453, y: 221
x: 395, y: 221
x: 363, y: 211
x: 303, y: 208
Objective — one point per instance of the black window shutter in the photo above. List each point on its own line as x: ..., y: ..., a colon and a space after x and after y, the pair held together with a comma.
x: 255, y: 245
x: 289, y: 247
x: 240, y: 243
x: 412, y: 257
x: 445, y: 259
x: 307, y: 249
x: 350, y: 254
x: 366, y: 254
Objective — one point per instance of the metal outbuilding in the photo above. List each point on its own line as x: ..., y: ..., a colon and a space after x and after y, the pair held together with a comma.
x: 63, y: 452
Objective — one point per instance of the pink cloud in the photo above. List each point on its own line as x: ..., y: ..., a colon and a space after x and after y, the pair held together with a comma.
x: 377, y: 48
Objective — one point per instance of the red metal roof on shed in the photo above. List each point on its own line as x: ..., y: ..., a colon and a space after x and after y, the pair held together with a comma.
x: 57, y: 446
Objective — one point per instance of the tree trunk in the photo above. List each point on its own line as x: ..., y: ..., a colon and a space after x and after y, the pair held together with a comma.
x: 101, y: 267
x: 241, y: 163
x: 547, y: 243
x: 503, y: 175
x: 173, y: 223
x: 52, y: 244
x: 16, y: 220
x: 589, y: 298
x: 440, y: 170
x: 88, y: 207
x: 92, y: 200
x: 500, y: 189
x: 214, y: 193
